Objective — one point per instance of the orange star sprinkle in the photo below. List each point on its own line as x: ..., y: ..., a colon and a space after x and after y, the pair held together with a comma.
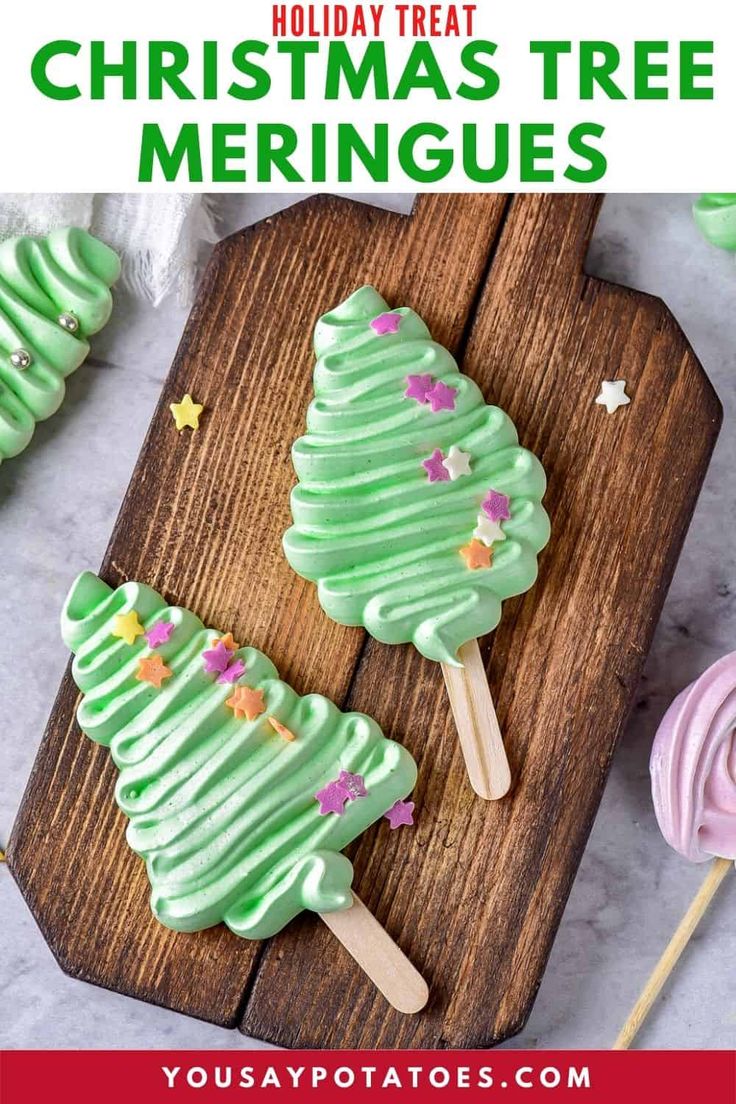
x: 228, y: 641
x: 246, y: 702
x: 153, y: 669
x: 476, y: 554
x: 282, y: 730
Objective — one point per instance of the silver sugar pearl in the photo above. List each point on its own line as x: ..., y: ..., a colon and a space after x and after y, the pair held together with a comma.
x: 68, y: 322
x: 21, y: 359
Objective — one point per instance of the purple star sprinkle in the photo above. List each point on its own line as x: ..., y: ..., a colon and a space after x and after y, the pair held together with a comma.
x: 233, y: 672
x: 332, y: 799
x: 435, y: 469
x: 441, y: 397
x: 418, y: 387
x: 216, y: 659
x: 159, y: 634
x: 353, y: 783
x: 496, y: 506
x: 386, y: 323
x: 400, y: 813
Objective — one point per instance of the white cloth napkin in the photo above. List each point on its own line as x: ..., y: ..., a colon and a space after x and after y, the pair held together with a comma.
x: 159, y: 237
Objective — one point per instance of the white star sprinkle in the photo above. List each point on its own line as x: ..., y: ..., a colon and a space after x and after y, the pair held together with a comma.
x: 456, y: 463
x: 488, y: 531
x: 613, y: 395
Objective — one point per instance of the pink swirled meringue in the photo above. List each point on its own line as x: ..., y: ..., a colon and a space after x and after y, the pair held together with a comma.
x: 693, y: 766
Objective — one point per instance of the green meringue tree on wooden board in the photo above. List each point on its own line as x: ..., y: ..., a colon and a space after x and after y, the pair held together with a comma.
x: 240, y: 793
x: 417, y: 511
x: 54, y: 295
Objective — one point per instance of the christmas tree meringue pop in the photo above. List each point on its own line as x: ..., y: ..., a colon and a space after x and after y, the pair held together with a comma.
x: 54, y: 294
x: 240, y: 794
x: 417, y: 512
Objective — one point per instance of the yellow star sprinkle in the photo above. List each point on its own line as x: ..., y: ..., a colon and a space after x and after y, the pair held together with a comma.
x: 127, y: 627
x: 186, y: 413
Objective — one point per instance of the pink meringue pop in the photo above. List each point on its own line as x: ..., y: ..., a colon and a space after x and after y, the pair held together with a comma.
x: 693, y: 766
x: 693, y: 769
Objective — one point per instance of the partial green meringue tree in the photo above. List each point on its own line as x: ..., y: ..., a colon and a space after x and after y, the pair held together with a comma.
x: 54, y: 295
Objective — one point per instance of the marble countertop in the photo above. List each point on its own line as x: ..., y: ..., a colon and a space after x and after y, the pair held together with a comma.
x: 631, y: 889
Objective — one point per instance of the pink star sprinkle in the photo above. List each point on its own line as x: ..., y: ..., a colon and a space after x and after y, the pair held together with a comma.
x: 353, y: 783
x: 332, y: 799
x: 386, y: 323
x: 418, y: 387
x: 435, y: 469
x: 216, y: 659
x: 159, y: 634
x: 233, y: 672
x: 400, y: 813
x: 441, y: 397
x: 496, y: 506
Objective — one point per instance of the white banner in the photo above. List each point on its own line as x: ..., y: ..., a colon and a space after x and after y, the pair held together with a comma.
x: 368, y: 97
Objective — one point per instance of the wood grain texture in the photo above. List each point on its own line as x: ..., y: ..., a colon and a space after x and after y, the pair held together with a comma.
x: 474, y: 894
x: 202, y: 522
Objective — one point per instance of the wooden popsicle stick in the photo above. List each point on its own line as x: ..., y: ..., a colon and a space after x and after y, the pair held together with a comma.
x: 717, y: 872
x: 477, y: 724
x: 378, y: 956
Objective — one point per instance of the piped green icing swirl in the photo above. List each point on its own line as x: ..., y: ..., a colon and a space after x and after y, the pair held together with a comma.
x: 67, y: 272
x: 222, y: 809
x: 382, y: 542
x: 715, y: 217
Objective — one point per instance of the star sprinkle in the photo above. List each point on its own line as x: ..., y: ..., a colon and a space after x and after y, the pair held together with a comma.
x: 153, y: 669
x: 476, y: 554
x: 488, y: 531
x: 186, y: 413
x: 332, y: 799
x: 435, y: 469
x: 228, y: 641
x: 159, y: 634
x: 216, y: 659
x: 457, y: 463
x: 613, y: 395
x: 127, y: 627
x: 400, y: 813
x: 387, y: 323
x: 282, y: 730
x: 233, y: 672
x: 353, y: 783
x: 246, y: 703
x: 496, y: 506
x: 418, y: 386
x: 441, y: 397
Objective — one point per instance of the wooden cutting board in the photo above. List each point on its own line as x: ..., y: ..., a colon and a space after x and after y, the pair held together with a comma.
x: 474, y: 893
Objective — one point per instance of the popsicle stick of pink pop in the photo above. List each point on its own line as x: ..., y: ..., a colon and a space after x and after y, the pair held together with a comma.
x: 693, y: 769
